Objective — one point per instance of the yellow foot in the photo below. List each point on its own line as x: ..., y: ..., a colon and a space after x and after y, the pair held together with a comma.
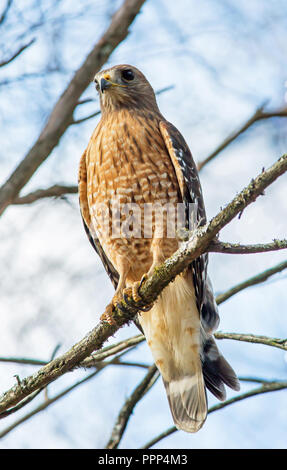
x: 108, y: 313
x: 133, y: 292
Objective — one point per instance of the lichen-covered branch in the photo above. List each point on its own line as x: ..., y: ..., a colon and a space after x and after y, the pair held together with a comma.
x: 49, y: 401
x: 149, y: 289
x: 237, y: 249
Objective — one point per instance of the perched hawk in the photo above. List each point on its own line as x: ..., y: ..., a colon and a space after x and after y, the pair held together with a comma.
x: 136, y: 158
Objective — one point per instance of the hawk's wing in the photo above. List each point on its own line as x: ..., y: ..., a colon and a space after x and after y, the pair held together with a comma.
x: 112, y: 272
x: 191, y: 193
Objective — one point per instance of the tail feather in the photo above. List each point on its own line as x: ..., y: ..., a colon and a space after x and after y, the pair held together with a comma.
x: 217, y: 371
x: 172, y: 330
x: 187, y: 401
x: 185, y: 353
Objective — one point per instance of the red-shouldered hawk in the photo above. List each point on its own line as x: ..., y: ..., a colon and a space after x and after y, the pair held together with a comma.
x: 135, y: 158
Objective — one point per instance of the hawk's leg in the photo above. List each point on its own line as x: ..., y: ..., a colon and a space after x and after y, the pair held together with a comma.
x: 133, y: 290
x: 123, y: 268
x: 157, y: 254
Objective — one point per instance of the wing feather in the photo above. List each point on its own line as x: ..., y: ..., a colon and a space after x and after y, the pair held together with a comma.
x: 83, y: 198
x: 190, y: 187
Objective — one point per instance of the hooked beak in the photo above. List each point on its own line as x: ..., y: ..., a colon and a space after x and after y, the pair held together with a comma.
x: 104, y: 84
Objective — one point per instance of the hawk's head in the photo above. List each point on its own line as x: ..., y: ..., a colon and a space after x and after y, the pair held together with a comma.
x: 124, y: 86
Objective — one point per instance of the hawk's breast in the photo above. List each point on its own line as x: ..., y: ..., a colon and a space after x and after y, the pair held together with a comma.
x: 128, y: 169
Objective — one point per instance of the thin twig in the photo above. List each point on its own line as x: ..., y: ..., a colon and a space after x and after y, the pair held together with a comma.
x: 258, y: 115
x: 128, y: 407
x: 108, y: 351
x: 45, y: 404
x: 249, y: 338
x: 5, y: 11
x: 252, y: 281
x: 57, y: 190
x: 48, y: 401
x: 265, y: 388
x: 17, y: 53
x: 91, y: 361
x: 237, y: 249
x: 96, y: 113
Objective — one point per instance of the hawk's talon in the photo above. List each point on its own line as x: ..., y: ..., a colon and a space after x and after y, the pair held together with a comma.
x: 133, y: 292
x: 107, y: 315
x: 146, y: 308
x: 143, y: 279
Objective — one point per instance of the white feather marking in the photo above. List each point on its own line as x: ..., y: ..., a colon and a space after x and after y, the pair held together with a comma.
x: 173, y: 327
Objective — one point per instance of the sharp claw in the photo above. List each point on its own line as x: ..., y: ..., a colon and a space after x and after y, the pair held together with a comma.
x: 106, y: 317
x: 133, y: 292
x: 144, y: 278
x: 126, y: 295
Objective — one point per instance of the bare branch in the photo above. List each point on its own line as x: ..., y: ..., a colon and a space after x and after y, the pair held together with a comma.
x: 128, y: 407
x: 252, y: 281
x: 257, y: 380
x: 47, y: 402
x: 57, y: 190
x: 148, y: 291
x: 265, y: 388
x: 21, y: 404
x: 62, y: 114
x: 96, y: 113
x: 258, y: 115
x: 274, y: 342
x: 5, y: 11
x: 24, y: 360
x: 235, y: 248
x: 92, y: 361
x: 17, y: 53
x: 86, y: 118
x: 108, y: 351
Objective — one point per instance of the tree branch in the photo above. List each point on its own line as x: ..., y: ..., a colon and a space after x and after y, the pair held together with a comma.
x: 17, y: 53
x: 274, y: 342
x: 149, y: 290
x: 49, y: 401
x: 235, y: 248
x: 5, y: 11
x: 62, y: 114
x: 129, y: 405
x: 258, y: 115
x: 96, y: 113
x: 252, y: 281
x: 57, y: 190
x: 108, y: 351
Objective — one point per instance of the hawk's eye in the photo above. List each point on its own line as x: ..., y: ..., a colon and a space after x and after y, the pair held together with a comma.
x: 128, y: 75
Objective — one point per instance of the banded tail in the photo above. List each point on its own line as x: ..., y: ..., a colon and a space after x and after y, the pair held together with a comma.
x: 185, y: 354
